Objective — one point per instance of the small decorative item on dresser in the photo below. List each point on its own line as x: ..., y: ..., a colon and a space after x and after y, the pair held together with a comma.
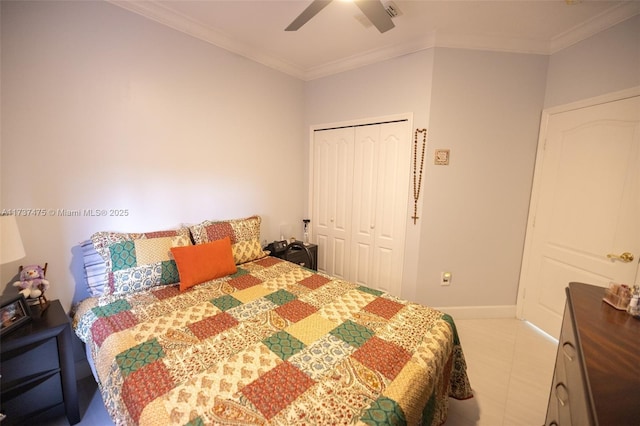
x: 618, y: 296
x: 15, y: 313
x: 634, y: 305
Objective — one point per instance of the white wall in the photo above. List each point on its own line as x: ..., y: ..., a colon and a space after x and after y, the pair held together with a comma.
x: 104, y: 109
x: 605, y: 63
x: 486, y: 109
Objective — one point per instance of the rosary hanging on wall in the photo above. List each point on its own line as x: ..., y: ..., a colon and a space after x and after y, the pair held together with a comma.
x: 417, y: 183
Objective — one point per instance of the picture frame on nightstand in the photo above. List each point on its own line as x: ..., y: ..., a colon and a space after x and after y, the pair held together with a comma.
x: 14, y: 312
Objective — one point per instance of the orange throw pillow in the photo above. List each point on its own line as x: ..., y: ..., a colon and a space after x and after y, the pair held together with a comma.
x: 204, y: 262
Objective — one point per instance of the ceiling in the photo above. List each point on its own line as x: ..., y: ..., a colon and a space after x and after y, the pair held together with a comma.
x: 340, y: 38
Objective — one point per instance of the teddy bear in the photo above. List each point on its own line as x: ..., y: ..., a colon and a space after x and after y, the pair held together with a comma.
x: 32, y: 283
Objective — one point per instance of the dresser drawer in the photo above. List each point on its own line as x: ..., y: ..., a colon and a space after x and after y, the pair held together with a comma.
x: 559, y: 409
x: 569, y: 399
x: 29, y: 360
x: 568, y: 351
x: 33, y: 396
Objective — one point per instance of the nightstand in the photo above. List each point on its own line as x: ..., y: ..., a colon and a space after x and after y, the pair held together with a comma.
x: 38, y: 372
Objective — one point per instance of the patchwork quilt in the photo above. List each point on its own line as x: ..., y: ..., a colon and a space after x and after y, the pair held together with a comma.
x: 276, y: 344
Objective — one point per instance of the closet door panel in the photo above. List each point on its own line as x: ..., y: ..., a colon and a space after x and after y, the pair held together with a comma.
x: 361, y: 178
x: 361, y: 264
x: 365, y: 173
x: 383, y: 269
x: 332, y: 187
x: 387, y: 188
x: 364, y: 180
x: 321, y: 241
x: 392, y: 190
x: 339, y: 253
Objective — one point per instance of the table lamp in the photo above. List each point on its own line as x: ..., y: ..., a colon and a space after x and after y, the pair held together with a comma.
x: 11, y: 248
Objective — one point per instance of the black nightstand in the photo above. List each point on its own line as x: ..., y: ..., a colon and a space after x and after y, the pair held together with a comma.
x: 38, y: 373
x: 296, y: 253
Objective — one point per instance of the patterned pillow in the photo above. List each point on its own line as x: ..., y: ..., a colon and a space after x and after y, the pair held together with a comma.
x: 244, y: 235
x: 138, y: 261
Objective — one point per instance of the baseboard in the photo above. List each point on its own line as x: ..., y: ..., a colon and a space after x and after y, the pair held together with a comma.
x: 480, y: 312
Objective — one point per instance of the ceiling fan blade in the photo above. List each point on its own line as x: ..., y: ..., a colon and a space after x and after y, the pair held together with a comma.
x: 311, y: 11
x: 374, y: 10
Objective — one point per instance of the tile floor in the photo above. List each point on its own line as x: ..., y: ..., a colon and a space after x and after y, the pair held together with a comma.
x: 510, y: 366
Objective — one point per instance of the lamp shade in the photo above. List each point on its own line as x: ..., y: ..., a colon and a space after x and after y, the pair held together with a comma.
x: 10, y: 242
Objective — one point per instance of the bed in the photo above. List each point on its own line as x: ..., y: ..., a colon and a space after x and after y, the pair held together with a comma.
x: 199, y: 326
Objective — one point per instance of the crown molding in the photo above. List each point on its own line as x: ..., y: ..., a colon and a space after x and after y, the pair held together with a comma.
x: 493, y: 43
x: 605, y: 20
x: 370, y: 57
x: 155, y: 11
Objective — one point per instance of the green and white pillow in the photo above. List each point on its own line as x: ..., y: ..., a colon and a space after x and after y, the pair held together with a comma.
x: 138, y: 261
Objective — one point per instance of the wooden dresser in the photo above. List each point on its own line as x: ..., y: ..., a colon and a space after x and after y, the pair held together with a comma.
x: 597, y: 373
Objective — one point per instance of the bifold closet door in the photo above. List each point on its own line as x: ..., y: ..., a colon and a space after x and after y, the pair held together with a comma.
x: 379, y: 207
x: 361, y: 177
x: 331, y: 202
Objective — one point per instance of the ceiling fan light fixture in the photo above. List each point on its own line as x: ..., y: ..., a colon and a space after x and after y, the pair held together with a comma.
x: 375, y: 11
x: 311, y: 11
x: 377, y: 14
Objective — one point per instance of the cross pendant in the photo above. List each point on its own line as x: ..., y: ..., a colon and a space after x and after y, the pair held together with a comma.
x: 414, y: 217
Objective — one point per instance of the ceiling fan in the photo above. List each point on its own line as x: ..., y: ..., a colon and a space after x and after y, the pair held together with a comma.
x: 372, y: 9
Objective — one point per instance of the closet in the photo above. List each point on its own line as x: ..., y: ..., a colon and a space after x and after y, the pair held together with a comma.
x: 360, y: 187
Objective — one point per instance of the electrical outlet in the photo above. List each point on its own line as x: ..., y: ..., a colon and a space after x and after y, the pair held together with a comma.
x: 445, y: 278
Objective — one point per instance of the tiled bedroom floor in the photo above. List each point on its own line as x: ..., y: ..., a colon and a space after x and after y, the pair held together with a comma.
x: 510, y: 366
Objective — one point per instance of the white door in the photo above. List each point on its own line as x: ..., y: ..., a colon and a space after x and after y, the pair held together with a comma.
x: 381, y: 184
x: 585, y: 206
x: 332, y: 193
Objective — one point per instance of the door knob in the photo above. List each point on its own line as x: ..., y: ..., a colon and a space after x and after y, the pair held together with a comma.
x: 625, y: 257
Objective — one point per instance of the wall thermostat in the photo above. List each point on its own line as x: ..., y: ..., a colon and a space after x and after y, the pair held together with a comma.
x: 441, y: 157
